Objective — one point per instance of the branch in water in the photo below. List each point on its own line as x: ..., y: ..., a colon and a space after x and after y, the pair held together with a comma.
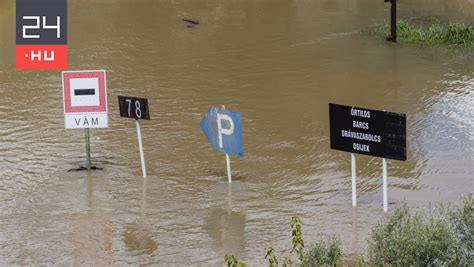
x: 195, y: 22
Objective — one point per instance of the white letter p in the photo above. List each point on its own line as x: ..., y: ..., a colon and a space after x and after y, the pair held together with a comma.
x: 221, y: 130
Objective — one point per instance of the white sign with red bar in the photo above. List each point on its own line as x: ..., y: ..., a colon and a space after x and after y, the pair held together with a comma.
x: 85, y: 99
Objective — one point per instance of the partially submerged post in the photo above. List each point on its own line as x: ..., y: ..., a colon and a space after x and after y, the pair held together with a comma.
x: 85, y: 104
x: 354, y: 182
x: 88, y: 149
x: 227, y: 158
x: 368, y: 132
x: 135, y: 108
x: 393, y: 21
x: 384, y: 184
x: 223, y: 129
x: 140, y: 147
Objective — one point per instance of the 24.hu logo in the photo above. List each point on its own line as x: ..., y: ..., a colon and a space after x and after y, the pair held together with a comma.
x: 41, y: 34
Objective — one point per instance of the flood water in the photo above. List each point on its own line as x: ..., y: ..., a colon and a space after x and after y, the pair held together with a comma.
x: 278, y: 62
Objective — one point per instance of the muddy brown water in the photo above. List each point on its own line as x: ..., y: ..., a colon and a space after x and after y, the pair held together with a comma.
x: 278, y: 62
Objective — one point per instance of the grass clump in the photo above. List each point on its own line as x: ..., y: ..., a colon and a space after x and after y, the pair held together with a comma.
x: 410, y: 240
x: 462, y: 218
x: 323, y: 253
x: 457, y: 34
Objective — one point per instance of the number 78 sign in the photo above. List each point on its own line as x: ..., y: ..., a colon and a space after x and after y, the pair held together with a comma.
x: 134, y: 107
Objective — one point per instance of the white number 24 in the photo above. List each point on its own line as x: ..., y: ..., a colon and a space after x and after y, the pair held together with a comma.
x: 38, y: 26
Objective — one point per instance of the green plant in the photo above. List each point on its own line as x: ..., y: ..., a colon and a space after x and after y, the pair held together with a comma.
x: 408, y: 32
x: 323, y: 253
x: 232, y: 261
x: 297, y: 241
x: 411, y: 240
x: 297, y: 237
x: 272, y: 259
x: 401, y: 239
x: 462, y: 218
x: 287, y: 262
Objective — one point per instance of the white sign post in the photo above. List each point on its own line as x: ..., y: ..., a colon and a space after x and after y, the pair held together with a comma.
x: 140, y: 147
x: 222, y: 131
x: 354, y: 182
x: 385, y: 198
x: 229, y: 172
x: 85, y: 102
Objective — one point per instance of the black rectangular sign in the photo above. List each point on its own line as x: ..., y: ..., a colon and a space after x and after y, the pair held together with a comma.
x: 84, y: 91
x: 41, y: 34
x: 41, y: 22
x: 133, y: 107
x: 368, y: 132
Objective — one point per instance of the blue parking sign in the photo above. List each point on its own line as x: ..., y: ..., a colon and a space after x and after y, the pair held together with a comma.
x: 223, y: 129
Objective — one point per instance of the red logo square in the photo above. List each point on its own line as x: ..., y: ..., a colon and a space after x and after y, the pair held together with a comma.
x: 41, y: 56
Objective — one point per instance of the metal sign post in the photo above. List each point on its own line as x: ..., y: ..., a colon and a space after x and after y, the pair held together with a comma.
x: 135, y: 108
x: 229, y: 172
x: 227, y: 158
x: 140, y: 147
x: 384, y: 173
x: 393, y: 21
x: 354, y: 183
x: 88, y: 149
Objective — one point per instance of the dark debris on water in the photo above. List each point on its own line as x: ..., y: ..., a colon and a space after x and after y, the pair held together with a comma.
x: 82, y: 168
x: 191, y: 22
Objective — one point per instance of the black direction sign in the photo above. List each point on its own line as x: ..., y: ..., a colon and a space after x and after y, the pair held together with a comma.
x: 369, y: 132
x: 133, y: 107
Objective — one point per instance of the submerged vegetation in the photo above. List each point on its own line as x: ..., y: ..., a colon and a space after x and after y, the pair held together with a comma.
x: 321, y: 253
x: 445, y: 238
x: 436, y: 33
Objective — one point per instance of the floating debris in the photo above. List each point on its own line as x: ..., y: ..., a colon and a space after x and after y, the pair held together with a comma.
x: 82, y: 168
x: 191, y: 22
